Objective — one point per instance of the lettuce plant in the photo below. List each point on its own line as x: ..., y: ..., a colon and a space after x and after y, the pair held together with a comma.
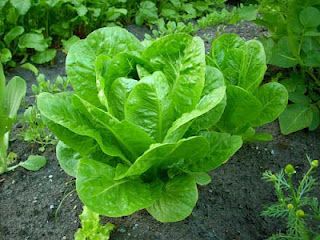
x: 11, y: 95
x: 135, y: 130
x: 250, y: 103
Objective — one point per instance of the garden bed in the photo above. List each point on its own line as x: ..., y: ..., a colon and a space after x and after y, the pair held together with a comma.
x: 228, y: 208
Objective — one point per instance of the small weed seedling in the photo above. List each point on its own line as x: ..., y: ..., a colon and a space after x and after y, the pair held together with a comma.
x: 91, y: 229
x: 295, y: 203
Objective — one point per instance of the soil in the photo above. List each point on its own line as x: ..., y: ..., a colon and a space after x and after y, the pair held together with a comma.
x: 228, y: 208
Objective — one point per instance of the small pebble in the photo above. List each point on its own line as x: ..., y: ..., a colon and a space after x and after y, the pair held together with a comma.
x: 122, y: 230
x: 13, y: 182
x: 50, y: 176
x: 51, y: 206
x: 64, y: 238
x: 272, y: 152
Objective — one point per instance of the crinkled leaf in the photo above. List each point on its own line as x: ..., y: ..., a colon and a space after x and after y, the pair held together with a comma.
x: 221, y: 147
x: 182, y: 59
x: 59, y: 109
x: 136, y: 142
x: 148, y: 105
x: 119, y: 92
x: 163, y: 155
x: 207, y: 103
x: 97, y: 190
x: 80, y: 62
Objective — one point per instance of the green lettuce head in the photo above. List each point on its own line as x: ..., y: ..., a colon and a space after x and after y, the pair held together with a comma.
x: 135, y: 130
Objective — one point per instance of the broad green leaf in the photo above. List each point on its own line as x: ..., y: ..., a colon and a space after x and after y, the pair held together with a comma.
x: 34, y: 163
x: 33, y: 40
x: 68, y: 159
x: 14, y: 93
x: 118, y: 95
x: 182, y: 60
x: 148, y: 105
x: 214, y: 80
x: 136, y: 142
x: 13, y: 34
x: 221, y: 147
x: 31, y: 67
x: 274, y: 98
x: 59, y: 109
x: 310, y: 17
x: 241, y: 110
x: 69, y: 42
x: 82, y: 144
x: 147, y: 12
x: 97, y: 190
x: 44, y: 57
x: 281, y: 54
x: 201, y: 178
x: 22, y: 6
x: 315, y: 118
x: 207, y: 103
x: 222, y: 47
x: 178, y: 198
x: 5, y: 55
x: 163, y: 155
x: 80, y: 62
x: 242, y: 63
x: 295, y: 117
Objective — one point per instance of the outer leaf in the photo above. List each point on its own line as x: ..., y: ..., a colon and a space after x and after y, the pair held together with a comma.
x: 182, y: 59
x: 13, y: 34
x: 274, y: 98
x: 80, y: 62
x: 68, y: 159
x: 177, y: 200
x: 102, y: 194
x: 14, y: 93
x: 221, y: 48
x: 310, y: 17
x: 207, y: 103
x: 214, y: 80
x: 34, y: 163
x: 221, y: 147
x: 22, y: 6
x: 242, y: 108
x: 60, y: 110
x: 282, y: 56
x: 295, y: 118
x: 136, y: 142
x: 33, y: 40
x: 169, y: 154
x: 5, y: 55
x: 148, y: 106
x: 242, y: 63
x: 45, y: 56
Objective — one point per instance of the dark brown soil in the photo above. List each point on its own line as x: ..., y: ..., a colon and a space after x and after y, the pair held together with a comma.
x: 228, y: 208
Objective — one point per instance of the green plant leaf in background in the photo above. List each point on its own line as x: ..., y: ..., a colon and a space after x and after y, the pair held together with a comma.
x: 295, y: 117
x: 34, y: 163
x: 45, y: 56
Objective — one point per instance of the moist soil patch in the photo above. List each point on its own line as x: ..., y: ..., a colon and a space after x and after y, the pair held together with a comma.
x: 228, y: 208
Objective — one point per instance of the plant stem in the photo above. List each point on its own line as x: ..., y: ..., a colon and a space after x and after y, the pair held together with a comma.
x: 4, y: 142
